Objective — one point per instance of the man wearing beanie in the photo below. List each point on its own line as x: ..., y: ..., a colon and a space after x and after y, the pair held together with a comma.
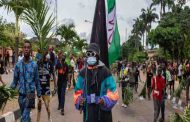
x: 95, y: 91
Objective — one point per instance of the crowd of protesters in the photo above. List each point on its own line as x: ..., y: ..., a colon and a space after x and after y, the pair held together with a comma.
x: 44, y: 67
x: 161, y: 78
x: 35, y: 73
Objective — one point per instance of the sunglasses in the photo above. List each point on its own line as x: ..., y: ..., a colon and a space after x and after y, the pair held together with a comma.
x: 89, y: 54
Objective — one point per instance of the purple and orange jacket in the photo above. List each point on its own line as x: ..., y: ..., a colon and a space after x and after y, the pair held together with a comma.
x: 108, y: 91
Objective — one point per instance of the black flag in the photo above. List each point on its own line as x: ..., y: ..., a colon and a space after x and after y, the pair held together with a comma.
x: 99, y: 31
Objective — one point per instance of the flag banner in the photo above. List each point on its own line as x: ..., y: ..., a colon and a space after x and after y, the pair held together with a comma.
x: 105, y: 32
x: 99, y: 31
x: 114, y: 47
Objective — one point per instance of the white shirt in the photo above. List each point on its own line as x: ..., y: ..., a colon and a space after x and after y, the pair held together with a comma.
x: 20, y: 58
x: 72, y: 63
x: 180, y: 70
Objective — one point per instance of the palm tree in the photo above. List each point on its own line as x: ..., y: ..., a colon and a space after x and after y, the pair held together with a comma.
x: 148, y: 16
x: 17, y: 6
x: 37, y: 17
x: 80, y: 44
x: 67, y: 33
x: 182, y: 2
x: 139, y: 28
x: 163, y: 4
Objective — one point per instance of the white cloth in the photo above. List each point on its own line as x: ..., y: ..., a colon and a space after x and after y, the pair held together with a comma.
x: 72, y: 63
x: 20, y: 58
x: 180, y: 70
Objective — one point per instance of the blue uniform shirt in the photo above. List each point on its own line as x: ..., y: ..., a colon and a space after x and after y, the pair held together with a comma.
x: 30, y: 71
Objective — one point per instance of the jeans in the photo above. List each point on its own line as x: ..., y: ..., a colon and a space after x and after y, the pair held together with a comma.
x: 157, y: 107
x: 25, y: 112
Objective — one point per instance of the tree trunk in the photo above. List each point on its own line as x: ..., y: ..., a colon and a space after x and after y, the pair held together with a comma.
x: 143, y: 40
x: 17, y: 38
x: 164, y: 8
x: 161, y: 5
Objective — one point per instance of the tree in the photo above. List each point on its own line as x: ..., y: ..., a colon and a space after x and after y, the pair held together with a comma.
x: 139, y: 28
x: 36, y: 15
x: 148, y: 16
x: 130, y: 47
x: 67, y: 33
x: 17, y: 6
x: 80, y: 44
x: 172, y: 33
x: 163, y: 4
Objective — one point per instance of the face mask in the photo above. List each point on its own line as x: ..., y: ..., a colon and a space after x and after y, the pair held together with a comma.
x: 91, y: 60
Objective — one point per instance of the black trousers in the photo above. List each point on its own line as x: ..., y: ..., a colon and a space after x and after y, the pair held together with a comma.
x: 62, y: 85
x: 123, y: 86
x: 159, y: 105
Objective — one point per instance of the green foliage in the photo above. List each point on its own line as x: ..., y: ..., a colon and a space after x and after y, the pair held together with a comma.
x: 184, y: 117
x: 175, y: 118
x: 5, y: 95
x: 172, y: 33
x: 163, y: 54
x: 7, y: 34
x: 67, y: 33
x: 180, y: 87
x: 130, y: 47
x: 128, y: 96
x: 36, y: 15
x: 140, y: 56
x: 70, y: 39
x: 143, y: 92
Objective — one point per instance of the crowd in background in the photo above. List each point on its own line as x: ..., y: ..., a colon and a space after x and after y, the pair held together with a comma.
x: 164, y: 74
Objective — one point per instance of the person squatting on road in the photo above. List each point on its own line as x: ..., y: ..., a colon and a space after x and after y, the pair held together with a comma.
x: 95, y: 91
x: 62, y: 68
x: 45, y: 68
x: 158, y: 86
x: 26, y: 77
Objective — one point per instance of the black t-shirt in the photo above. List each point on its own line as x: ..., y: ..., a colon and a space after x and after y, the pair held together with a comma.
x: 149, y: 78
x: 63, y: 69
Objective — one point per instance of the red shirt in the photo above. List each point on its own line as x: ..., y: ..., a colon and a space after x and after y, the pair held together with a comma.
x: 160, y: 84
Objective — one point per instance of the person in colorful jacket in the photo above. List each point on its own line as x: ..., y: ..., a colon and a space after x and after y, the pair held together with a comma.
x: 95, y: 91
x: 26, y: 77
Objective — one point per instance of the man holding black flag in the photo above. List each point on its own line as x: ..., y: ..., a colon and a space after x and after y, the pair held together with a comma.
x: 95, y: 91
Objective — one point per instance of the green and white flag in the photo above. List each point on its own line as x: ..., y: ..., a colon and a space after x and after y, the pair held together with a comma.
x: 114, y: 47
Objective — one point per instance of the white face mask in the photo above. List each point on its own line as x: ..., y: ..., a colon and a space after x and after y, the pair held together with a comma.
x: 91, y: 60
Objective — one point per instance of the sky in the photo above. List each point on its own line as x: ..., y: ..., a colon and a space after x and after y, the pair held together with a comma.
x: 78, y: 11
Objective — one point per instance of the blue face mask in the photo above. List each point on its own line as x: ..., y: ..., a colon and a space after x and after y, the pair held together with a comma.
x: 91, y: 61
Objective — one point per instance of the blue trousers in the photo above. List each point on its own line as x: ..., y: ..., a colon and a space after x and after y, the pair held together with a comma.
x: 25, y: 112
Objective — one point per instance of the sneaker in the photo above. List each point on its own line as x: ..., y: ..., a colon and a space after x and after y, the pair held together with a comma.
x: 62, y: 112
x: 58, y: 108
x: 161, y: 120
x: 122, y: 105
x: 125, y: 106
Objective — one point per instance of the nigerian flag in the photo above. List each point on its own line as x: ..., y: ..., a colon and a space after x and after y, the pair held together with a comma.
x: 113, y: 37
